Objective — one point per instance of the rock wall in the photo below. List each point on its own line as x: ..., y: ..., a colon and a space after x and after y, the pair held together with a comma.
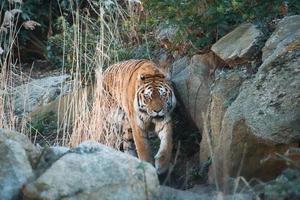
x: 250, y: 112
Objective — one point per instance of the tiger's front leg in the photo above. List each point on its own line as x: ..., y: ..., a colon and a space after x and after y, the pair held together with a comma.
x: 163, y: 156
x: 141, y: 143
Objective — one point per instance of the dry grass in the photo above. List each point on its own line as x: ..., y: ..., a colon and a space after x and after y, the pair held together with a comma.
x: 91, y: 116
x: 85, y: 114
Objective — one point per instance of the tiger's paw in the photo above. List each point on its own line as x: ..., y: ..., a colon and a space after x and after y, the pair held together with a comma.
x: 162, y: 163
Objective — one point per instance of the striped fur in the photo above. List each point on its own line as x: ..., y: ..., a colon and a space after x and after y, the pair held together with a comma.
x: 140, y: 88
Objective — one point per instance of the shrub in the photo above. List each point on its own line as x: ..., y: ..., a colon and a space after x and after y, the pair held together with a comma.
x: 203, y: 22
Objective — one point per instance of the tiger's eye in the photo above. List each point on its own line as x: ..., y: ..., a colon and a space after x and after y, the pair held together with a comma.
x: 142, y: 77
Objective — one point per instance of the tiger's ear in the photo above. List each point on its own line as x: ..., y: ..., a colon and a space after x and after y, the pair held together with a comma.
x: 165, y: 64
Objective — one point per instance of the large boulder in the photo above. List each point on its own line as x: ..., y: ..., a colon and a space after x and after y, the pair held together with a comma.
x: 223, y: 92
x: 285, y: 36
x: 179, y: 65
x: 263, y: 120
x: 285, y: 186
x: 240, y: 45
x: 16, y: 151
x: 39, y: 92
x: 192, y: 83
x: 94, y: 171
x: 174, y: 194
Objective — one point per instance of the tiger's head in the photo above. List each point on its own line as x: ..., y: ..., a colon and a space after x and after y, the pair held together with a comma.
x: 154, y: 96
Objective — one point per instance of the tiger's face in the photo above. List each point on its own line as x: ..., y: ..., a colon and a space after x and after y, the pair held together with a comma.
x: 154, y: 96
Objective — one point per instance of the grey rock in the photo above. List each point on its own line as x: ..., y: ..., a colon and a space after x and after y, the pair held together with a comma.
x: 270, y: 103
x: 94, y: 171
x: 48, y: 156
x: 285, y: 186
x: 15, y: 168
x: 193, y: 86
x: 39, y: 92
x: 179, y: 65
x: 223, y: 92
x: 263, y: 120
x: 284, y: 38
x: 32, y: 152
x: 174, y: 194
x: 239, y: 45
x: 166, y: 32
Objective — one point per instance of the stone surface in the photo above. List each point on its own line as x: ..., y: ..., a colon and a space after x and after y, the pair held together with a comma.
x: 285, y: 186
x: 179, y: 65
x: 32, y: 152
x: 240, y: 45
x: 48, y: 156
x: 36, y: 93
x: 15, y: 167
x: 192, y: 85
x: 264, y: 119
x: 285, y: 36
x: 94, y: 171
x: 166, y: 33
x: 174, y: 194
x: 224, y: 91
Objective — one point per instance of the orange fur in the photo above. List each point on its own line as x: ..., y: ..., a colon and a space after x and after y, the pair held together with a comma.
x: 140, y: 88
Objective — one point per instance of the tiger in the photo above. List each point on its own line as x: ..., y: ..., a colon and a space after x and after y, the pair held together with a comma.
x: 145, y: 94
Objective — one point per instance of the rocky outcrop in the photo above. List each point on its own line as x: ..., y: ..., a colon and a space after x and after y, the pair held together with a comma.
x: 285, y: 186
x: 223, y: 92
x: 171, y: 193
x: 39, y: 92
x: 263, y: 120
x: 240, y: 45
x: 179, y: 65
x: 93, y: 171
x: 174, y: 194
x: 247, y: 115
x: 17, y: 155
x: 192, y: 83
x: 285, y: 37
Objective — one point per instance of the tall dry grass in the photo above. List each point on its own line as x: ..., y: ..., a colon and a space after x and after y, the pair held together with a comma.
x: 91, y: 115
x: 9, y: 31
x: 85, y: 114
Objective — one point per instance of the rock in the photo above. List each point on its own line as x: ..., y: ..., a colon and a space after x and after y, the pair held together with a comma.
x: 94, y: 171
x: 179, y: 65
x: 30, y: 96
x: 48, y: 156
x: 224, y: 91
x: 32, y: 152
x: 285, y: 186
x: 15, y: 167
x: 174, y: 194
x: 57, y: 115
x: 192, y: 84
x: 264, y: 119
x: 240, y: 45
x: 285, y: 36
x: 166, y: 33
